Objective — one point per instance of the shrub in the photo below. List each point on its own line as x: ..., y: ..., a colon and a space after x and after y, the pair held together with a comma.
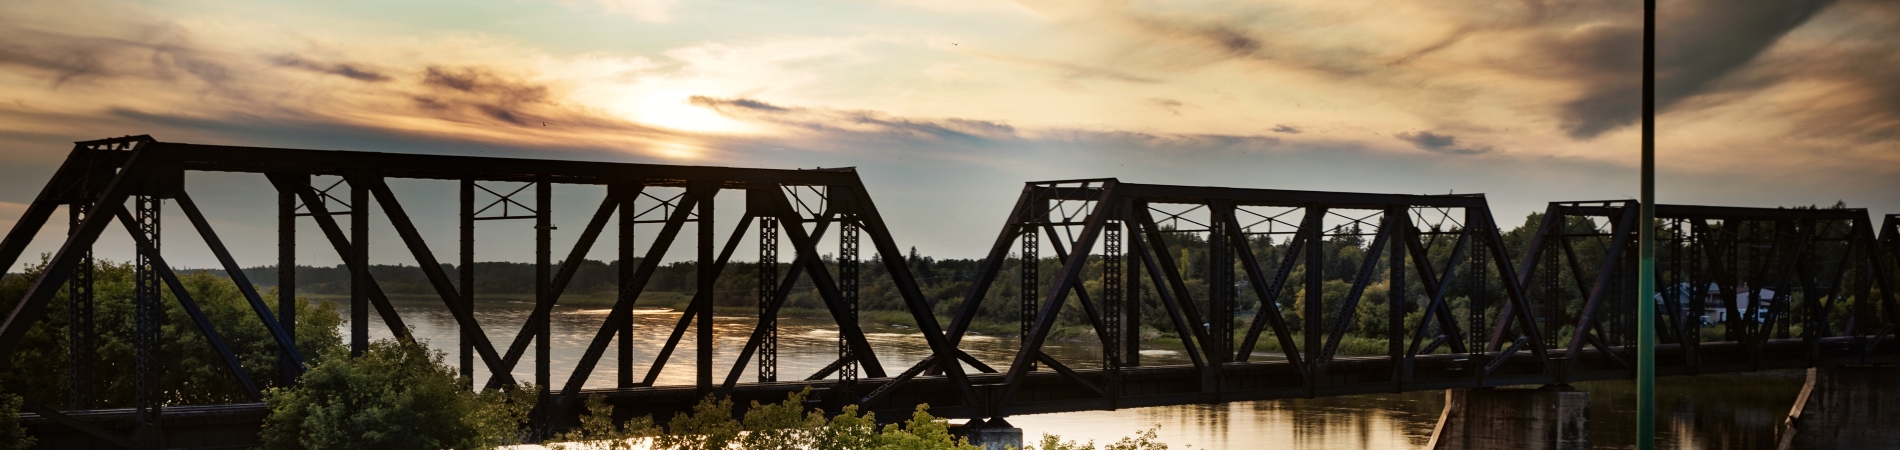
x: 192, y: 372
x: 396, y: 396
x: 12, y: 436
x: 782, y: 425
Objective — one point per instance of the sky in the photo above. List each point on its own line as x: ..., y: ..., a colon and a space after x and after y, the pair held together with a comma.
x: 946, y: 107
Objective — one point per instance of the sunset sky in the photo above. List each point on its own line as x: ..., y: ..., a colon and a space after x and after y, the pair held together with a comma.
x: 946, y: 107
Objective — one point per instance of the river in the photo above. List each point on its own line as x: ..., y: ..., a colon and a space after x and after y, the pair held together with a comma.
x: 1705, y: 412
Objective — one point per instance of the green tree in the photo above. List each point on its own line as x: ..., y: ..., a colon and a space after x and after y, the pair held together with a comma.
x: 1145, y: 440
x: 396, y: 396
x: 12, y: 436
x: 193, y: 373
x: 710, y: 426
x: 786, y: 424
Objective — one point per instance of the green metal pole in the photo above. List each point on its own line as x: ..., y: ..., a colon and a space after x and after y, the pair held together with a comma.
x: 1646, y: 242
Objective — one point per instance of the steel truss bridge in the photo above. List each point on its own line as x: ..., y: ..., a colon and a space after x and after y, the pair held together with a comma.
x: 1798, y: 287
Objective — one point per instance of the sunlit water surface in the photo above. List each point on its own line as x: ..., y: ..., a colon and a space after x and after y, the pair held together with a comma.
x: 1706, y: 412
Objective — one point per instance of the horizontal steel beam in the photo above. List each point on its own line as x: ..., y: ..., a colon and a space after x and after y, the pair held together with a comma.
x: 1720, y: 212
x: 218, y: 158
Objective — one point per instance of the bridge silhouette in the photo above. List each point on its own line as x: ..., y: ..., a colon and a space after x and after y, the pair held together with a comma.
x: 1742, y: 289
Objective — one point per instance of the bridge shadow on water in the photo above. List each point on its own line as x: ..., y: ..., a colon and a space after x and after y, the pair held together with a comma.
x: 1728, y: 411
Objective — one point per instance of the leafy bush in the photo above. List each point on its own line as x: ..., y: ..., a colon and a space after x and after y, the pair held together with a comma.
x: 788, y: 425
x: 1144, y: 441
x: 192, y: 373
x: 782, y: 425
x: 12, y: 436
x: 395, y: 396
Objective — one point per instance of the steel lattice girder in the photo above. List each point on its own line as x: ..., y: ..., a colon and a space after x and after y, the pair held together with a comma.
x: 105, y: 174
x: 1708, y: 259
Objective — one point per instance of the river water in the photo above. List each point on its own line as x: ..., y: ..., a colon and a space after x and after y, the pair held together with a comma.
x: 1706, y: 412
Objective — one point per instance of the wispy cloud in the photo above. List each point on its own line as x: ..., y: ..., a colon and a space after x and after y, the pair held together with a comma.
x: 1707, y: 41
x: 346, y: 70
x: 1074, y: 88
x: 1440, y: 143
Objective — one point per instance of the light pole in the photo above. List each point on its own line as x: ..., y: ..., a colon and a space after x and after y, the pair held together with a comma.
x: 1646, y: 244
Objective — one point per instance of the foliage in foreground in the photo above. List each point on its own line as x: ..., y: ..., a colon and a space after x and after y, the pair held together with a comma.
x: 12, y: 436
x: 788, y: 425
x: 395, y: 396
x: 781, y: 425
x: 191, y: 372
x: 1145, y: 440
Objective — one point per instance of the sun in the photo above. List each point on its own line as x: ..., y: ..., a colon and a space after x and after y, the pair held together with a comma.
x: 676, y: 150
x: 674, y: 110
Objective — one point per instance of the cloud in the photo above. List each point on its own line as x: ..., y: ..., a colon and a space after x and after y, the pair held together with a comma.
x: 1440, y: 143
x: 137, y: 74
x: 1069, y: 70
x: 1286, y: 129
x: 825, y: 120
x: 1172, y: 106
x: 350, y: 71
x: 963, y: 139
x: 155, y: 50
x: 1700, y: 42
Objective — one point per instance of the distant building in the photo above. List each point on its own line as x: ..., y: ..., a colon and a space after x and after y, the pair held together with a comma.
x: 1713, y: 310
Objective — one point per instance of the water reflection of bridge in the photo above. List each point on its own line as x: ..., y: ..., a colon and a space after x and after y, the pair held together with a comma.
x: 1230, y: 272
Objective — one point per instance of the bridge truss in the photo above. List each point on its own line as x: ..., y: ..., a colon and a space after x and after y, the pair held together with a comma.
x: 798, y: 207
x: 1237, y: 276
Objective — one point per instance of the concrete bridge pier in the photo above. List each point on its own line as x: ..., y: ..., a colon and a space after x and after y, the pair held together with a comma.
x: 993, y: 434
x: 1846, y: 407
x: 1551, y: 417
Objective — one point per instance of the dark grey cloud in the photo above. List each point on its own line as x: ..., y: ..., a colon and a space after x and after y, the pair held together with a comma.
x: 1699, y: 43
x: 351, y: 71
x: 237, y: 87
x: 1440, y: 143
x: 153, y: 50
x: 1286, y: 129
x: 830, y: 120
x: 862, y: 128
x: 482, y: 90
x: 1710, y: 52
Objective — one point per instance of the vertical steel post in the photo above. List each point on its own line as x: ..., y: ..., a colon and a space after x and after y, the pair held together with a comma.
x: 706, y: 279
x: 466, y: 266
x: 1553, y: 294
x: 359, y: 271
x: 1131, y: 351
x: 1315, y: 282
x: 1477, y: 279
x: 1220, y: 287
x: 79, y: 323
x: 848, y: 291
x: 1397, y: 218
x: 628, y: 216
x: 768, y: 288
x: 1646, y: 238
x: 1112, y: 298
x: 287, y: 280
x: 1031, y: 278
x: 149, y: 311
x: 543, y: 274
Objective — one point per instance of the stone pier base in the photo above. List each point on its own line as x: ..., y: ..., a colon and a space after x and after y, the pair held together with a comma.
x: 1485, y: 419
x: 994, y: 434
x: 1846, y: 407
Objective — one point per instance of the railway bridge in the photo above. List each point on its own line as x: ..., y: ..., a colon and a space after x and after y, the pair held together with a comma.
x: 1439, y: 297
